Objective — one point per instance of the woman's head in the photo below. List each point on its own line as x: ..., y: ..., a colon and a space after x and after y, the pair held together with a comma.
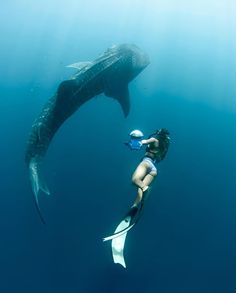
x: 163, y: 133
x: 164, y: 140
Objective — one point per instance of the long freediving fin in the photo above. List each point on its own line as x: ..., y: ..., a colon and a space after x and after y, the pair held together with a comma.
x: 118, y: 233
x: 119, y: 236
x: 118, y: 243
x: 135, y: 214
x: 129, y: 218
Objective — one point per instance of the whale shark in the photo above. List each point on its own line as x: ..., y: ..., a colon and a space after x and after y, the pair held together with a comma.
x: 109, y: 74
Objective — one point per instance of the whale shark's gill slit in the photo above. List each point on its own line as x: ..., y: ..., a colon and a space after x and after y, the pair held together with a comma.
x: 37, y: 184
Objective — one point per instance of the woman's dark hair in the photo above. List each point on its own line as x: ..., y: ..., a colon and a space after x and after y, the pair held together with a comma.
x: 164, y: 141
x: 163, y: 132
x: 163, y: 137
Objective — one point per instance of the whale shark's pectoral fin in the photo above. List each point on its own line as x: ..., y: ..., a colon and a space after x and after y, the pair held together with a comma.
x: 124, y: 100
x: 37, y: 184
x: 123, y: 97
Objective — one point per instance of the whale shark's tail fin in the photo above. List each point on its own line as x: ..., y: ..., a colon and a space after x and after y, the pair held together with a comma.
x: 37, y: 184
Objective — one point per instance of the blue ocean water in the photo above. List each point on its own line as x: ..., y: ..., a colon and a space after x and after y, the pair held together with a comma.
x: 186, y: 239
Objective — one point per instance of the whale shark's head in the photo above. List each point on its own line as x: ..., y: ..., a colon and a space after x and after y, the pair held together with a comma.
x: 138, y: 59
x: 131, y: 55
x: 128, y: 62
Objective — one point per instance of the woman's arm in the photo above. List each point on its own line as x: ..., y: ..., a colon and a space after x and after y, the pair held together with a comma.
x: 149, y: 140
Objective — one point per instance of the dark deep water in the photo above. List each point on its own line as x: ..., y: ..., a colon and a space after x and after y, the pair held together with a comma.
x: 186, y: 239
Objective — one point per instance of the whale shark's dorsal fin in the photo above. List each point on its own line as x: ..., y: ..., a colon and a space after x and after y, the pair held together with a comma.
x: 80, y: 65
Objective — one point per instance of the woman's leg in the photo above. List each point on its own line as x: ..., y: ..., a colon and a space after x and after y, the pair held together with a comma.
x: 141, y: 179
x: 148, y: 179
x: 139, y: 174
